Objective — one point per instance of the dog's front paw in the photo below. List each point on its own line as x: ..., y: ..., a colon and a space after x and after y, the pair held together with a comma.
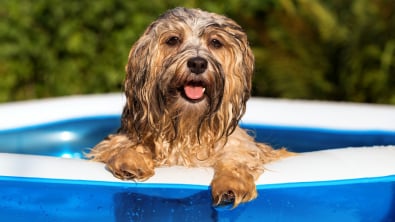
x: 131, y: 164
x: 229, y: 189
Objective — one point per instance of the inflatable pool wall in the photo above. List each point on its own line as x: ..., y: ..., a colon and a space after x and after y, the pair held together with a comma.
x: 345, y: 170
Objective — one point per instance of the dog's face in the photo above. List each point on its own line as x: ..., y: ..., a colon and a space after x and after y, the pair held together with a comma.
x: 189, y: 72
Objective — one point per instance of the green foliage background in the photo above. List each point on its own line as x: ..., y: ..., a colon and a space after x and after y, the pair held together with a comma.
x: 322, y: 49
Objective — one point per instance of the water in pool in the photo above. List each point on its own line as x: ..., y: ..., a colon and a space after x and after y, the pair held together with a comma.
x: 70, y: 138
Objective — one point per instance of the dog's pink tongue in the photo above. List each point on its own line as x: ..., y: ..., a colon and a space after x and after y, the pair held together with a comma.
x: 194, y: 92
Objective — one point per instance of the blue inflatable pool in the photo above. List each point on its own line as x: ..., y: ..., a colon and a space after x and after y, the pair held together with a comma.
x: 345, y: 170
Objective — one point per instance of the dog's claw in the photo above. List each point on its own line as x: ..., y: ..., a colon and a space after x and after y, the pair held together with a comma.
x: 128, y: 175
x: 227, y: 198
x: 125, y: 175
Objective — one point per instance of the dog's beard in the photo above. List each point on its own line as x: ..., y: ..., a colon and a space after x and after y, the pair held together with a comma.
x: 188, y: 100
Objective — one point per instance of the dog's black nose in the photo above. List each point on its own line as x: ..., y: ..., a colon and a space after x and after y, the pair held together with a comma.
x: 197, y: 65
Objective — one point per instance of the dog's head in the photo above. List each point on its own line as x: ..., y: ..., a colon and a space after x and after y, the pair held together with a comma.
x: 189, y: 73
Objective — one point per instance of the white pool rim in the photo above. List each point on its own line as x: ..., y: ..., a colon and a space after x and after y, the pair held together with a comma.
x: 326, y: 165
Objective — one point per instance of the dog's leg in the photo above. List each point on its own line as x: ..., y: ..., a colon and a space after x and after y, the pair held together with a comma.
x: 239, y: 164
x: 126, y: 160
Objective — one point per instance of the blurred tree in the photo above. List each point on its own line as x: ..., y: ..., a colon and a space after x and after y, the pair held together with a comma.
x: 331, y: 50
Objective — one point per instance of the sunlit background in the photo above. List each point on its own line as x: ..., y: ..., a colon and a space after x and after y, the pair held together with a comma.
x: 322, y: 49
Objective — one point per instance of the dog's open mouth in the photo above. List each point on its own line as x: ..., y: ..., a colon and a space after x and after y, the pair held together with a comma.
x: 194, y: 90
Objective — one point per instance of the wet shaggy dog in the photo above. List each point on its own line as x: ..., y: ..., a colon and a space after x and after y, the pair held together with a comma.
x: 188, y: 79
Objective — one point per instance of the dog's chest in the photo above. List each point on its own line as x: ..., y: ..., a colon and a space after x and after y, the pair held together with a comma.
x: 181, y: 154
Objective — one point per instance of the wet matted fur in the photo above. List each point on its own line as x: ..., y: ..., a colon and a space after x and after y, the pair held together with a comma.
x: 188, y: 79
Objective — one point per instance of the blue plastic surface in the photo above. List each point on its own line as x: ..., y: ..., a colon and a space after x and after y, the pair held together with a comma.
x: 24, y: 199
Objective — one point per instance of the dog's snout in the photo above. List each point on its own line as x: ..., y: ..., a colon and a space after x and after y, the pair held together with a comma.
x: 197, y: 65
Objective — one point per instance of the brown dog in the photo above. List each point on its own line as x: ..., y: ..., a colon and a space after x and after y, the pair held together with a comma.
x: 188, y: 80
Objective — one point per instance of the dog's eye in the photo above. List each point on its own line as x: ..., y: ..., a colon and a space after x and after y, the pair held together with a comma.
x: 173, y: 41
x: 216, y: 43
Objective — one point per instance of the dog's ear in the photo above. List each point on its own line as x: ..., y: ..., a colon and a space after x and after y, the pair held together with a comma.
x: 249, y: 64
x: 241, y: 68
x: 140, y: 99
x: 137, y: 67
